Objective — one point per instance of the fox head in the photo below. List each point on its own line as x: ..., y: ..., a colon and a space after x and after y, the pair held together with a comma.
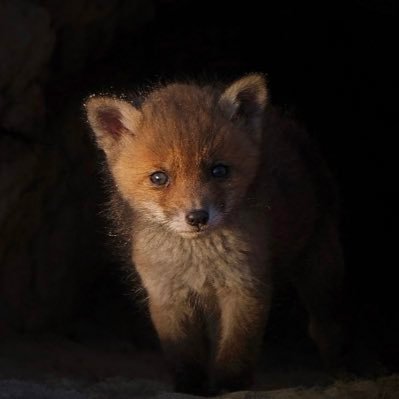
x: 186, y: 157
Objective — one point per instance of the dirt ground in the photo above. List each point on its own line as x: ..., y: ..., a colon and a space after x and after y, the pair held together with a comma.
x: 54, y: 367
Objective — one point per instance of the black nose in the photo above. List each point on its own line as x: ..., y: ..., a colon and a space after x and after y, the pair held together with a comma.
x: 197, y: 217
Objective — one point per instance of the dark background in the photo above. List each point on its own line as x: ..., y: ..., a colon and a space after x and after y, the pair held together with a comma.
x: 333, y: 63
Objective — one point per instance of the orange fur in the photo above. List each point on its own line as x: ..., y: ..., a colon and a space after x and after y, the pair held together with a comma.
x: 209, y: 285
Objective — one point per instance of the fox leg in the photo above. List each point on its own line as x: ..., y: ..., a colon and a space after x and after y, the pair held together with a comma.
x: 242, y: 321
x: 181, y: 334
x: 320, y: 284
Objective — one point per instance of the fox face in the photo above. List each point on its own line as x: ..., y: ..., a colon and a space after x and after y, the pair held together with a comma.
x: 186, y: 158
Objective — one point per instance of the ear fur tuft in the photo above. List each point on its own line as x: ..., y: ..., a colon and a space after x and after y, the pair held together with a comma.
x: 111, y: 118
x: 245, y: 100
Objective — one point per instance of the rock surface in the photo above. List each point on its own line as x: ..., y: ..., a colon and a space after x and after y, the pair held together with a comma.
x: 387, y: 388
x: 27, y: 42
x: 50, y: 236
x: 42, y: 40
x: 53, y: 367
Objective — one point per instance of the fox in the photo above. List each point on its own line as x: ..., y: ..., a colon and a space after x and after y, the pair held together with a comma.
x: 218, y: 189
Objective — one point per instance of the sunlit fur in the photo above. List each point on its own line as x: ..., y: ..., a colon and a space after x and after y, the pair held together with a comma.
x: 209, y: 287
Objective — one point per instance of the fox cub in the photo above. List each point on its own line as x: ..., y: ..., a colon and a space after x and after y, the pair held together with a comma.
x: 219, y: 189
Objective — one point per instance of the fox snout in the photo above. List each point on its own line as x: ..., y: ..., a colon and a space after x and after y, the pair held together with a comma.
x: 197, y: 218
x: 195, y: 221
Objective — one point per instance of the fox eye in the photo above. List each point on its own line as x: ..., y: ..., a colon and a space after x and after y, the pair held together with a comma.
x: 220, y: 170
x: 159, y: 178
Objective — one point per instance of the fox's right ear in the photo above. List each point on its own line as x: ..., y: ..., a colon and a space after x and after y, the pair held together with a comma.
x: 111, y: 119
x: 244, y: 102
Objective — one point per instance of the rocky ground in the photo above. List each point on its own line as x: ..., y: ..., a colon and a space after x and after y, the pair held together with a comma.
x: 59, y: 368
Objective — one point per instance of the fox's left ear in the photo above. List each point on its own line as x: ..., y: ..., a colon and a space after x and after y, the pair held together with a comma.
x: 245, y: 100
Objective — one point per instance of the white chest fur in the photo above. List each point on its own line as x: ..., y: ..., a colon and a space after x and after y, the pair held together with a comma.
x: 170, y: 265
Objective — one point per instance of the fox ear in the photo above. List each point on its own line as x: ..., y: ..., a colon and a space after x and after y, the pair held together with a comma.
x: 110, y: 119
x: 245, y: 100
